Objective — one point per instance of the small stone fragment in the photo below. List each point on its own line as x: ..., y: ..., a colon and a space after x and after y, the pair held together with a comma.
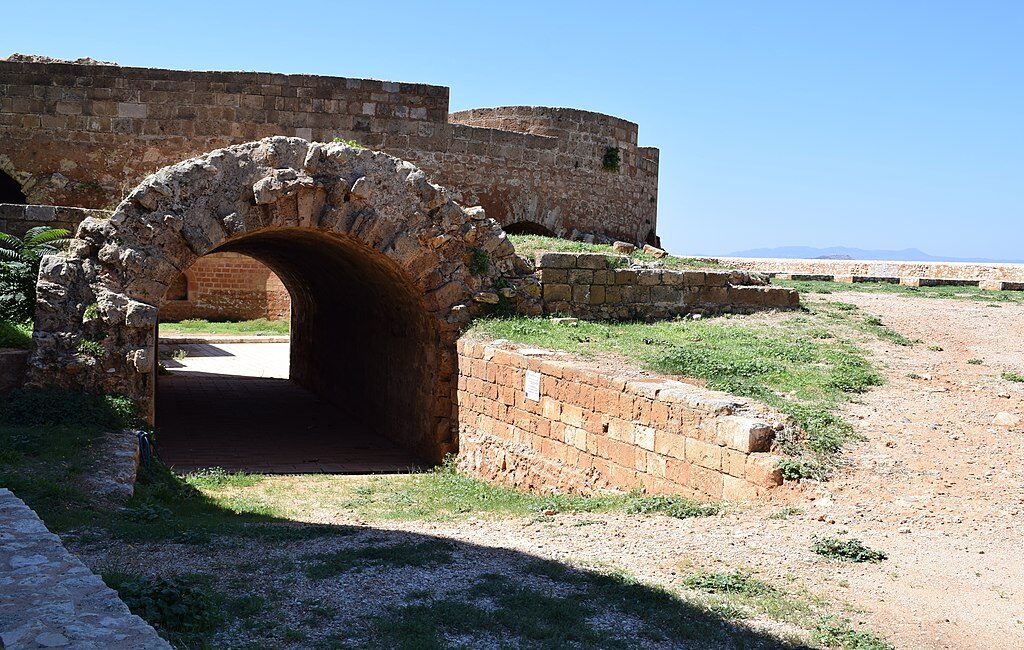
x: 655, y: 251
x: 623, y: 247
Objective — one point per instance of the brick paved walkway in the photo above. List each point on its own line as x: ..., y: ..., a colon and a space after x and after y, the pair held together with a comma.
x: 230, y: 406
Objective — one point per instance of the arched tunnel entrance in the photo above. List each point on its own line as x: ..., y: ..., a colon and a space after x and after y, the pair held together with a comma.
x: 528, y: 228
x: 357, y: 393
x: 10, y: 190
x: 377, y: 261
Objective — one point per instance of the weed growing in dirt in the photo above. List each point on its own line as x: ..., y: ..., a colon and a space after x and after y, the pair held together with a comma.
x: 846, y: 548
x: 182, y: 609
x: 834, y: 632
x: 1009, y: 375
x: 729, y: 582
x: 935, y: 348
x: 786, y: 513
x: 672, y: 506
x: 975, y: 362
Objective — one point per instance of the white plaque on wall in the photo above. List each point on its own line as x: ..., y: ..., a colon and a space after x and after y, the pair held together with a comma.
x: 532, y: 385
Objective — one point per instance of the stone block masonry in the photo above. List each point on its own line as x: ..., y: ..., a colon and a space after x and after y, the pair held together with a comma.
x: 85, y: 134
x: 595, y: 286
x: 49, y: 599
x: 587, y: 430
x: 18, y: 219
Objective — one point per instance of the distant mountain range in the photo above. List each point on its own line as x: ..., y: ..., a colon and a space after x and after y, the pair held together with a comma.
x: 845, y: 253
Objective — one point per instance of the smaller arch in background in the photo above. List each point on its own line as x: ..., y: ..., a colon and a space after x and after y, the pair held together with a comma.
x: 528, y: 228
x: 10, y: 190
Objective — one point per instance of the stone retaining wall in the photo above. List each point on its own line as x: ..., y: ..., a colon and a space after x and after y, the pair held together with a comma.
x: 49, y: 599
x: 601, y: 287
x: 989, y: 276
x: 18, y: 219
x: 590, y: 430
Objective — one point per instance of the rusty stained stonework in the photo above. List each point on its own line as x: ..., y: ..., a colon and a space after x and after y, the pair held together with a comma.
x: 376, y: 259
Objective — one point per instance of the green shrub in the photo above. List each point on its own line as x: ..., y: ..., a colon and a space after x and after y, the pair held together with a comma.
x: 834, y: 632
x: 352, y: 143
x: 1009, y: 375
x: 612, y: 159
x: 15, y: 335
x: 19, y: 268
x: 479, y: 261
x: 850, y: 549
x: 175, y: 606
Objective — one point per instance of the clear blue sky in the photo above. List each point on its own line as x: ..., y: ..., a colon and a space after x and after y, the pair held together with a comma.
x: 874, y: 124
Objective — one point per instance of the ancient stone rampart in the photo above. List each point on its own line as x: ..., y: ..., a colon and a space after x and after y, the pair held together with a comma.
x: 17, y: 219
x: 603, y: 287
x: 585, y: 430
x: 85, y: 134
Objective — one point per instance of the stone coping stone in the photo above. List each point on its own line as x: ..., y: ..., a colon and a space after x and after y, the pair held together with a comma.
x: 49, y: 599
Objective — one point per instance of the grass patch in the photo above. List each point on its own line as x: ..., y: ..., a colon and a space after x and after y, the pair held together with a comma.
x: 437, y: 495
x: 952, y: 293
x: 786, y: 513
x: 529, y: 245
x: 257, y: 327
x: 729, y: 582
x: 15, y: 335
x: 1009, y: 375
x: 403, y: 554
x: 846, y: 548
x: 787, y: 365
x: 182, y: 609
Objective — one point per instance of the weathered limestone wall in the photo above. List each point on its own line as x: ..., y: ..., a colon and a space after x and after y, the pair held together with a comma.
x: 591, y: 430
x: 226, y: 286
x: 601, y: 287
x: 849, y: 270
x: 78, y: 134
x: 49, y: 599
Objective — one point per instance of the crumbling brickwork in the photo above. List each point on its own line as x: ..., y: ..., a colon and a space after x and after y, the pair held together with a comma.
x: 588, y: 430
x: 85, y: 134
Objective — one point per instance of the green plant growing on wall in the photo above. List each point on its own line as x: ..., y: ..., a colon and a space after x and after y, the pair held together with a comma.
x: 479, y: 261
x: 90, y: 348
x: 352, y: 143
x: 612, y: 159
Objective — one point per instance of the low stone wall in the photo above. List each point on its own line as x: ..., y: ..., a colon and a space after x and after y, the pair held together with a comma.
x: 601, y: 287
x: 544, y: 421
x: 989, y: 276
x: 49, y: 599
x: 12, y: 368
x: 17, y: 219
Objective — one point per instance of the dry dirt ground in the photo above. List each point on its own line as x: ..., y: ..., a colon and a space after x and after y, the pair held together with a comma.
x: 937, y: 485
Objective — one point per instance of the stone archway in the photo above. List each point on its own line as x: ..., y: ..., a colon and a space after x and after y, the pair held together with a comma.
x: 376, y: 258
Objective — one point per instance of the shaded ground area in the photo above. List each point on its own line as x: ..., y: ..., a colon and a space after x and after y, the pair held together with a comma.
x: 232, y: 406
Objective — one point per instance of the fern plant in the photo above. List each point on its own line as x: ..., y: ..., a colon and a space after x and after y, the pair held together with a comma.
x: 37, y: 242
x: 19, y: 268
